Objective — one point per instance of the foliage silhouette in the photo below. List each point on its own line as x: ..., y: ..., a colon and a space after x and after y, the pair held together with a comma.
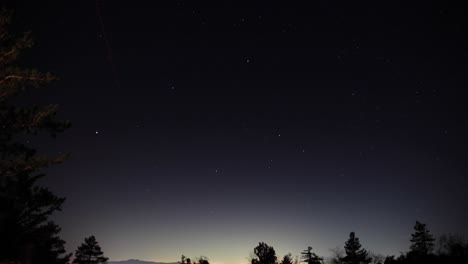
x: 452, y: 249
x: 27, y: 234
x: 422, y: 240
x: 354, y: 253
x: 287, y: 259
x: 309, y: 257
x: 199, y: 260
x: 89, y: 252
x: 202, y: 260
x: 265, y: 254
x: 452, y: 245
x: 390, y: 260
x: 185, y: 260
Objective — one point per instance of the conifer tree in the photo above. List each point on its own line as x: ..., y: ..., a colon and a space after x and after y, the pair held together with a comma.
x: 354, y: 253
x: 422, y: 241
x: 310, y: 258
x: 89, y: 253
x: 27, y: 234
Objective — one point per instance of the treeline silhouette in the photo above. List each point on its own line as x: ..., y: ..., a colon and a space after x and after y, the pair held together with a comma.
x: 29, y: 236
x: 451, y: 249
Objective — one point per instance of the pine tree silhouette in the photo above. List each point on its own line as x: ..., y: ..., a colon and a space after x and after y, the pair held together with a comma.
x: 354, y: 253
x: 287, y: 259
x: 26, y: 231
x: 89, y: 253
x: 309, y: 257
x: 422, y: 241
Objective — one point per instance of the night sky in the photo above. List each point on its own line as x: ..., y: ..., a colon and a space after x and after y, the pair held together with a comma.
x: 203, y: 129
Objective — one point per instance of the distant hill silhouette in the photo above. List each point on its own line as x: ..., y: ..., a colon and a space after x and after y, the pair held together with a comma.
x: 136, y: 261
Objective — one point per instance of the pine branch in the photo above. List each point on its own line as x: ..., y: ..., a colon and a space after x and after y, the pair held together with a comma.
x: 6, y: 78
x: 8, y: 54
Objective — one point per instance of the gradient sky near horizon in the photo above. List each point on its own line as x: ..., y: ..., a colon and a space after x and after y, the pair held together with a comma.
x: 204, y: 129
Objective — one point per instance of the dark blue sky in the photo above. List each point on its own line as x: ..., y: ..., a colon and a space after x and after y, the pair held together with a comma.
x: 204, y: 129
